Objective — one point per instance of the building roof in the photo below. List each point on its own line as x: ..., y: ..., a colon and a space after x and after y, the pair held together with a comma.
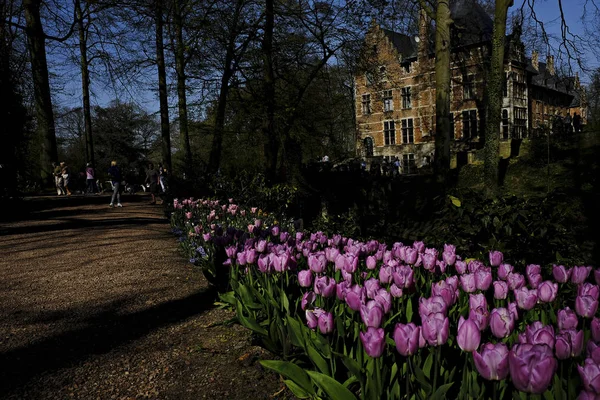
x: 406, y: 45
x: 563, y: 84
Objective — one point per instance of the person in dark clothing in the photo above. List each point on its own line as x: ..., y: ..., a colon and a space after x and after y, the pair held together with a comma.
x: 115, y: 176
x: 152, y: 178
x: 577, y: 123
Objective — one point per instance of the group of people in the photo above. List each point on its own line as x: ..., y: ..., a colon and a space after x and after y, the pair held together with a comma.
x: 156, y: 181
x: 572, y: 124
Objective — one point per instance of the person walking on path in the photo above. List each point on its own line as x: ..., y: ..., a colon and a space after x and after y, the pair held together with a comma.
x: 90, y: 178
x: 66, y: 175
x: 115, y: 176
x: 58, y: 179
x: 152, y: 178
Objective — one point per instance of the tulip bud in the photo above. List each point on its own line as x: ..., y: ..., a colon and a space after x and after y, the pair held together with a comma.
x: 568, y: 344
x: 502, y: 322
x: 586, y: 306
x: 371, y: 262
x: 580, y: 274
x: 500, y: 290
x: 561, y: 274
x: 590, y: 375
x: 504, y: 270
x: 406, y: 338
x: 468, y: 335
x: 526, y: 299
x: 325, y: 323
x: 305, y: 278
x: 311, y: 319
x: 373, y: 341
x: 547, y: 291
x: 496, y: 258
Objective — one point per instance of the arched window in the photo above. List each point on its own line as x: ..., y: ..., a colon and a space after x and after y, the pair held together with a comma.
x: 368, y: 143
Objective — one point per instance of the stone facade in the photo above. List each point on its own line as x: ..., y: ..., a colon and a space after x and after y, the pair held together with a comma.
x: 395, y: 94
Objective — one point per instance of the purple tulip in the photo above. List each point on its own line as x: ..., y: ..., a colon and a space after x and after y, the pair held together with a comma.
x: 526, y: 299
x: 372, y: 287
x: 404, y: 276
x: 474, y: 265
x: 515, y: 281
x: 547, y: 291
x: 385, y: 274
x: 325, y: 286
x: 406, y: 338
x: 496, y: 258
x: 305, y: 278
x: 531, y: 367
x: 533, y: 269
x: 534, y: 280
x: 429, y: 262
x: 264, y: 264
x: 432, y: 305
x: 504, y: 270
x: 468, y: 335
x: 588, y: 289
x: 441, y: 266
x: 325, y: 322
x: 317, y: 262
x: 435, y: 329
x: 492, y: 361
x: 384, y: 298
x: 371, y: 262
x: 583, y: 395
x: 467, y: 282
x: 411, y: 256
x: 502, y: 322
x: 514, y: 310
x: 580, y: 274
x: 449, y: 258
x: 593, y: 351
x: 354, y: 297
x: 538, y: 333
x: 568, y: 344
x: 449, y: 248
x: 590, y: 375
x: 373, y: 341
x: 500, y: 290
x: 371, y: 314
x: 241, y: 258
x: 395, y: 291
x: 477, y: 300
x: 597, y: 276
x: 480, y: 316
x: 341, y: 288
x: 460, y: 266
x: 561, y: 274
x: 331, y: 254
x: 307, y: 298
x: 311, y: 319
x: 419, y: 246
x: 586, y: 306
x: 595, y: 328
x: 567, y: 319
x: 483, y: 278
x: 444, y: 290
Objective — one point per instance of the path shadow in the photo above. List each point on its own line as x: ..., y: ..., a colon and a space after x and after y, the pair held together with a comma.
x: 104, y: 331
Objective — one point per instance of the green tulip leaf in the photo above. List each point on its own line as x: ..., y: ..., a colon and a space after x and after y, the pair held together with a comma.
x: 295, y: 332
x: 427, y: 365
x: 334, y: 389
x: 317, y: 359
x: 409, y: 310
x: 248, y: 298
x: 440, y: 393
x: 228, y: 298
x: 296, y: 390
x: 249, y: 323
x: 351, y: 365
x: 291, y: 371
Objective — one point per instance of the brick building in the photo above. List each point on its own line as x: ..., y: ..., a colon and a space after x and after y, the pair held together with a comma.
x: 395, y: 89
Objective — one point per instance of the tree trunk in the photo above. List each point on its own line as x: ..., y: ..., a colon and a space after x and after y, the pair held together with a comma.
x: 184, y: 138
x: 442, y: 91
x: 494, y: 98
x: 85, y: 85
x: 41, y: 86
x: 162, y: 87
x: 219, y: 129
x: 272, y: 145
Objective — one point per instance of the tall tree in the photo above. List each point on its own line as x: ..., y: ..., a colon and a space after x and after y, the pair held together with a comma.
x: 184, y: 137
x: 272, y: 145
x: 41, y: 84
x: 162, y: 84
x: 82, y: 15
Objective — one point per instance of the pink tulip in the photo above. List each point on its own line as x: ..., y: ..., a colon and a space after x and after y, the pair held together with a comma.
x: 504, y: 270
x: 429, y: 262
x: 467, y: 282
x: 483, y: 278
x: 445, y: 290
x: 468, y: 335
x: 395, y: 291
x: 432, y: 305
x: 411, y: 255
x: 590, y: 375
x: 537, y: 333
x: 460, y: 266
x: 371, y: 314
x: 305, y: 278
x: 372, y: 287
x: 325, y: 322
x: 588, y: 289
x: 311, y: 319
x: 492, y: 361
x: 404, y: 276
x: 373, y: 341
x: 371, y: 262
x: 515, y: 281
x: 325, y: 286
x: 480, y: 316
x: 385, y: 274
x: 384, y: 298
x: 580, y: 274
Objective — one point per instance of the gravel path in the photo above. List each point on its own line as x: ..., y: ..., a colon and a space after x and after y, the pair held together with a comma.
x: 97, y: 303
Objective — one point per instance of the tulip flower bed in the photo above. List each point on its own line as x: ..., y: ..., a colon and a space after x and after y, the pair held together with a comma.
x: 369, y: 320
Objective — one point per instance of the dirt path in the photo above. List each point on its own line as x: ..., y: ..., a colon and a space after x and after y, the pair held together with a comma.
x: 97, y: 303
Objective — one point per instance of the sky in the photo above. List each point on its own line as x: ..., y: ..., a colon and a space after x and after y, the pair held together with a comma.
x: 546, y: 10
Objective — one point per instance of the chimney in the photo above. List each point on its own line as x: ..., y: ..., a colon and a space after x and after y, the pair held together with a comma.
x: 550, y: 64
x: 535, y: 60
x: 423, y: 42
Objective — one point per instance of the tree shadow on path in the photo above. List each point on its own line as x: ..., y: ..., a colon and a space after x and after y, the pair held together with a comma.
x: 104, y: 332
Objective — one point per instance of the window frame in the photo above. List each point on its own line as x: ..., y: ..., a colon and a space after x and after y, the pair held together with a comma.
x: 366, y: 104
x: 407, y: 128
x: 388, y: 100
x: 389, y: 132
x: 470, y: 130
x: 408, y: 163
x: 406, y: 94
